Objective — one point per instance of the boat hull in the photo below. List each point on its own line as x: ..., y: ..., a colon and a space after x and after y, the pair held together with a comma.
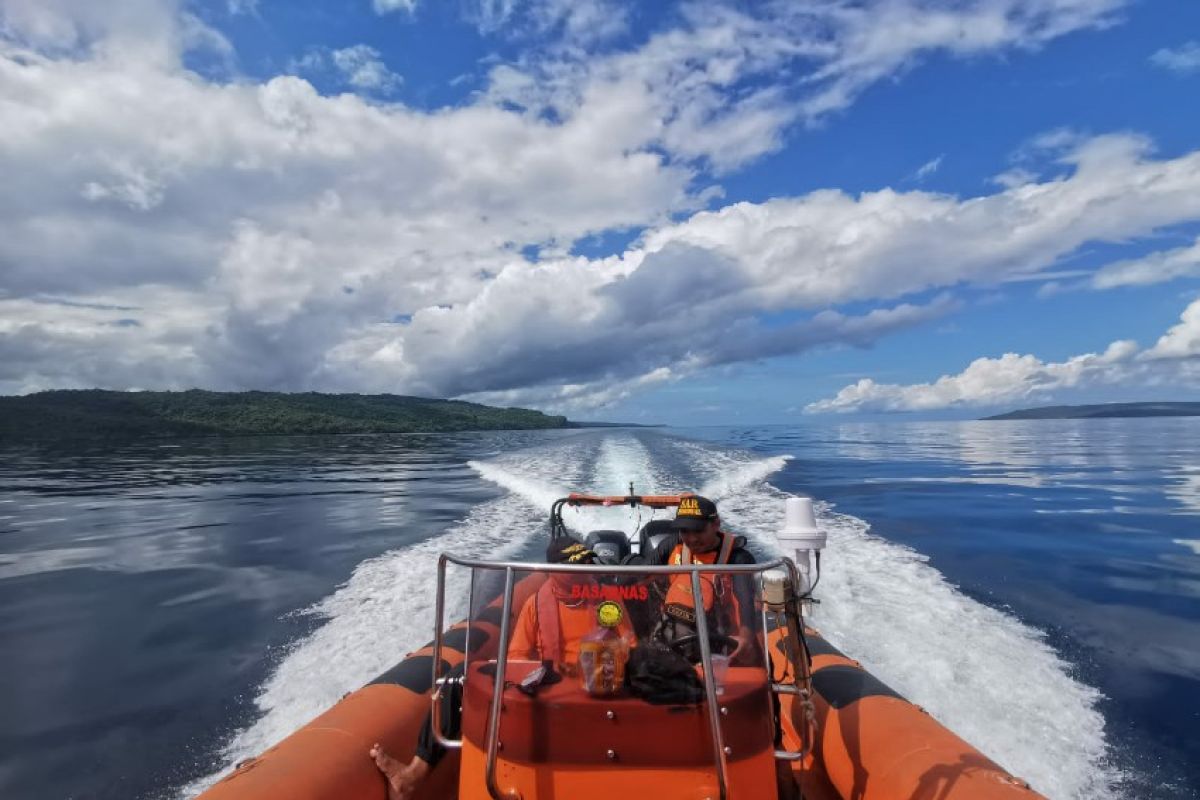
x: 870, y: 744
x: 873, y: 744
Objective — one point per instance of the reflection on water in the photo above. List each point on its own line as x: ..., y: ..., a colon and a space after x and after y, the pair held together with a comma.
x: 148, y: 591
x: 145, y: 588
x: 1085, y: 528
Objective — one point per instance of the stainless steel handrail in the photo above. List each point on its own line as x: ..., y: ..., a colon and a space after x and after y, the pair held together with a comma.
x: 710, y: 685
x: 801, y: 684
x: 510, y: 568
x: 634, y: 569
x: 493, y: 730
x: 438, y: 681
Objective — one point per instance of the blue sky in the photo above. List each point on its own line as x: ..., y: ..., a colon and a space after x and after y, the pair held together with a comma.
x: 690, y: 213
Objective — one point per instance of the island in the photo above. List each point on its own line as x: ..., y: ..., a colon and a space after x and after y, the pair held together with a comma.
x: 1105, y: 410
x: 92, y: 413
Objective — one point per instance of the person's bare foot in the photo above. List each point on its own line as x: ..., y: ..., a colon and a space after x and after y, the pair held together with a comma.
x: 402, y: 779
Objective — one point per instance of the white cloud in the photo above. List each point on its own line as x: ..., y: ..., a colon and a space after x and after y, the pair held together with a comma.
x: 577, y: 23
x: 388, y: 6
x: 491, y: 15
x: 703, y: 80
x: 581, y: 21
x: 359, y: 66
x: 828, y: 248
x: 1158, y: 267
x: 575, y: 398
x: 289, y: 228
x: 1183, y: 59
x: 1182, y: 340
x: 143, y: 338
x: 242, y: 6
x: 990, y: 382
x: 928, y: 168
x: 1012, y: 178
x: 363, y: 68
x: 131, y: 33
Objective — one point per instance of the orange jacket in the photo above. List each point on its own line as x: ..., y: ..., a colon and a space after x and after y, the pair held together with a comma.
x: 576, y: 619
x: 715, y: 589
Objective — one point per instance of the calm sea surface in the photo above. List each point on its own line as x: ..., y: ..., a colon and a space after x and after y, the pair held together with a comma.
x: 167, y: 609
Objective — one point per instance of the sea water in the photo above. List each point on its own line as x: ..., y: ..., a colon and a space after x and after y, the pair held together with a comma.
x: 168, y: 610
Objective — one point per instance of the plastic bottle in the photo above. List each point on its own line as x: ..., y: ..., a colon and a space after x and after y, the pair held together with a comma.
x: 603, y: 653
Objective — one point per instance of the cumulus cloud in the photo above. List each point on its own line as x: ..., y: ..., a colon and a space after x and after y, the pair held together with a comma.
x: 279, y: 238
x: 147, y: 338
x: 828, y: 247
x: 994, y: 381
x: 1159, y: 267
x: 133, y: 32
x: 1183, y: 59
x: 1182, y: 341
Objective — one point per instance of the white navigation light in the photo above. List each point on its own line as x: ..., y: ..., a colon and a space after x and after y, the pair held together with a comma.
x: 800, y: 531
x: 802, y: 537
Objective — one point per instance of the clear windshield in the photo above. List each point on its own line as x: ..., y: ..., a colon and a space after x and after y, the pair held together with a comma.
x: 630, y: 641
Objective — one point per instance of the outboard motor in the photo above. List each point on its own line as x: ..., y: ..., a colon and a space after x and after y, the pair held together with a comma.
x: 610, y: 547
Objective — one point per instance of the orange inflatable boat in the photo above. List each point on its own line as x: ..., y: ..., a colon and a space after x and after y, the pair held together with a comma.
x: 786, y: 716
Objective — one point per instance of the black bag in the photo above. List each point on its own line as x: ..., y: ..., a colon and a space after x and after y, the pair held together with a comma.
x: 659, y: 675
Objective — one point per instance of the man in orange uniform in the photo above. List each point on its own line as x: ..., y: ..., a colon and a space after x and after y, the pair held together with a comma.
x: 549, y: 628
x: 554, y: 621
x: 728, y: 601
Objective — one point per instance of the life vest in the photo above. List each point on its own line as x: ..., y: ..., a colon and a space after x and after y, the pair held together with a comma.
x: 679, y: 603
x: 549, y: 625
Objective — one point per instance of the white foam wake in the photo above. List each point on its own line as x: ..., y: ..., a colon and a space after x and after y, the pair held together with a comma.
x: 984, y: 674
x: 987, y: 676
x: 385, y: 609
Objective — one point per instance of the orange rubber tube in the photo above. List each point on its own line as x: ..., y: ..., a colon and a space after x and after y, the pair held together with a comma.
x: 327, y: 758
x: 872, y: 744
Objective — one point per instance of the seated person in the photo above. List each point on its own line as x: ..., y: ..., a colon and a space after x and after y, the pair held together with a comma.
x: 554, y: 621
x: 728, y: 600
x: 549, y: 628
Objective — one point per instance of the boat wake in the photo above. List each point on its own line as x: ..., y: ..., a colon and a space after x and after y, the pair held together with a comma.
x: 983, y: 673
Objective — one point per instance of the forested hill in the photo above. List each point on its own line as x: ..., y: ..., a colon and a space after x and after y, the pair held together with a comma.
x: 1105, y: 410
x: 97, y: 413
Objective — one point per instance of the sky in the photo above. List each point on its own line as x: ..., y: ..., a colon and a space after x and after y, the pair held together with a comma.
x: 689, y: 213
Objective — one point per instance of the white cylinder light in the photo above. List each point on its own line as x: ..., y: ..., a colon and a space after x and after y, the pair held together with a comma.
x: 800, y: 531
x: 801, y: 536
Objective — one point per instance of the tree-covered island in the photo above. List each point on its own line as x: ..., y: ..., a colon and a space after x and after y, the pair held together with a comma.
x: 92, y: 413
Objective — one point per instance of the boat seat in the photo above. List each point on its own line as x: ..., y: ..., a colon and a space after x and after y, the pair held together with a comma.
x: 562, y: 724
x: 652, y: 534
x: 610, y: 547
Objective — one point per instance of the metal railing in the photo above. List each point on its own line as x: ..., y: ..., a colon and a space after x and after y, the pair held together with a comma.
x: 510, y: 569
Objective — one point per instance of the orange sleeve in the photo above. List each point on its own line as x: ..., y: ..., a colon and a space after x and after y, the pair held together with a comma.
x: 524, y: 641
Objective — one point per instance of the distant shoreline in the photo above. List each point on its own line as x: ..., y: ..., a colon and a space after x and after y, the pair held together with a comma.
x: 1104, y: 411
x: 96, y: 413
